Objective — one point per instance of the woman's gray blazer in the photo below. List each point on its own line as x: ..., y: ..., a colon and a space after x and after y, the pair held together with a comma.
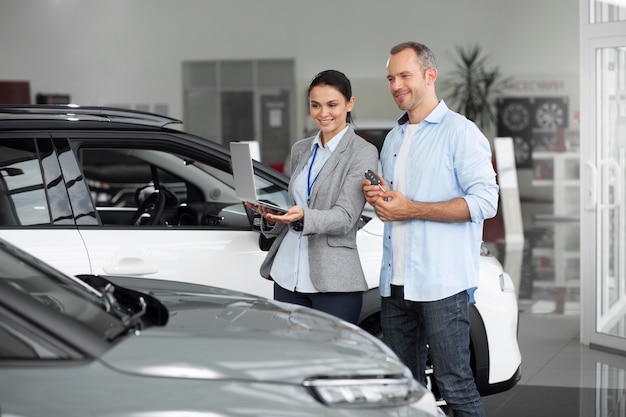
x: 331, y: 219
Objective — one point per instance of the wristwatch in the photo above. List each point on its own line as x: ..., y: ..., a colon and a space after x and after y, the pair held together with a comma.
x: 297, y: 226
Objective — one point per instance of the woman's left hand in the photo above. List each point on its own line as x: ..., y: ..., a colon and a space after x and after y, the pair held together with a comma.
x: 295, y: 213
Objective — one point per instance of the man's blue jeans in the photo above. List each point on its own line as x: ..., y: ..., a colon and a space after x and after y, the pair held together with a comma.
x: 415, y: 330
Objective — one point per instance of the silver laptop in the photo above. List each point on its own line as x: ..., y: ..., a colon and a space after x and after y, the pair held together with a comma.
x: 243, y: 173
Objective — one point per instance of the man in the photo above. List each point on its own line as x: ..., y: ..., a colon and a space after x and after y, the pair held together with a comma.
x: 440, y: 187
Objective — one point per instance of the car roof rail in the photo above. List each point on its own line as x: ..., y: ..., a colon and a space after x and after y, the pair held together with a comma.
x: 78, y: 113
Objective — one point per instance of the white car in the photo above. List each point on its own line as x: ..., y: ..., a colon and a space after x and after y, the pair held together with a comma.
x: 104, y: 191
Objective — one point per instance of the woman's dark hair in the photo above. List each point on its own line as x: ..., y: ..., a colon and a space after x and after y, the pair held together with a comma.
x: 334, y: 79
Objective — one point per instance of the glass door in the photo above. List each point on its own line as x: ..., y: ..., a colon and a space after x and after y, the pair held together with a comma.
x: 603, y: 186
x: 610, y: 168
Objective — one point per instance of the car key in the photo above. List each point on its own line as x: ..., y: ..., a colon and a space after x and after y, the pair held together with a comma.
x: 371, y: 175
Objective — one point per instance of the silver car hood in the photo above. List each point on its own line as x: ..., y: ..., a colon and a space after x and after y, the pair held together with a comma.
x: 243, y: 337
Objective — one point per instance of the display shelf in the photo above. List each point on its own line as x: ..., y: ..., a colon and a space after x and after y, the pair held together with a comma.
x: 561, y: 172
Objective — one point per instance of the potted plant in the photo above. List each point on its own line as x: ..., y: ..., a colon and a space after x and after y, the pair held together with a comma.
x: 473, y: 87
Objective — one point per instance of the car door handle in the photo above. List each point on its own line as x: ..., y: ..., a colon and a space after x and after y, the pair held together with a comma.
x: 131, y: 266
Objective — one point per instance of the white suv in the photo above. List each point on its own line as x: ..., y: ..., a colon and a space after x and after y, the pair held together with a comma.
x: 116, y: 192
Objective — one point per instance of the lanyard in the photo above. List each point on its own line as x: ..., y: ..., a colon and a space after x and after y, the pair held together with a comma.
x: 308, y: 180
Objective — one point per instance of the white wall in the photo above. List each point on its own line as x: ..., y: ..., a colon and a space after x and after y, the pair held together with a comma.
x: 130, y: 51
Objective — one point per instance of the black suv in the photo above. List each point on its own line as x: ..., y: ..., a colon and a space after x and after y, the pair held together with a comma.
x: 120, y: 192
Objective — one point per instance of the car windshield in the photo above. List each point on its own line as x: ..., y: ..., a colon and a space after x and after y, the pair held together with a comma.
x: 63, y: 294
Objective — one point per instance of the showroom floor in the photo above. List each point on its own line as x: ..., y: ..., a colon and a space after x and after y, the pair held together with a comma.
x: 559, y: 376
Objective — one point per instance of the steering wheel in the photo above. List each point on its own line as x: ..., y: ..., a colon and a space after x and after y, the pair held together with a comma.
x: 150, y: 210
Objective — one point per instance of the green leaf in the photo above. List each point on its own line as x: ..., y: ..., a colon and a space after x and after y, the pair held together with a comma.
x: 472, y: 88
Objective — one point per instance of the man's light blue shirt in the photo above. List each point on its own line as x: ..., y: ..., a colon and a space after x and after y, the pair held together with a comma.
x: 449, y: 158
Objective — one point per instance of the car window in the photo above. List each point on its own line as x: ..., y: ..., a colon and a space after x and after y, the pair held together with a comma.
x: 265, y: 188
x: 374, y: 136
x: 18, y: 346
x: 22, y: 192
x: 57, y: 293
x: 73, y: 185
x: 123, y: 184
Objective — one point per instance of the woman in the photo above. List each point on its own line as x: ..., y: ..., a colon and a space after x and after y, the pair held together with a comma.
x: 314, y: 260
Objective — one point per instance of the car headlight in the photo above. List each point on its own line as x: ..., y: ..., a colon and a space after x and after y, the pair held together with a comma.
x: 364, y: 391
